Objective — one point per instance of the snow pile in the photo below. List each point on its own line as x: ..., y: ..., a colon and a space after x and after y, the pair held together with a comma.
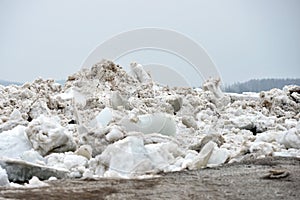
x: 106, y: 123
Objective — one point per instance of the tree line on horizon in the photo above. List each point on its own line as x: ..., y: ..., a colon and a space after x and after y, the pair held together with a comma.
x: 253, y: 85
x: 258, y: 85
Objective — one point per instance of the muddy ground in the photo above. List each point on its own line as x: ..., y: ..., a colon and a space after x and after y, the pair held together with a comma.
x: 268, y: 178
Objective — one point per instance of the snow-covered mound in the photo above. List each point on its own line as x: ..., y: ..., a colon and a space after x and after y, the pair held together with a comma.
x: 106, y: 123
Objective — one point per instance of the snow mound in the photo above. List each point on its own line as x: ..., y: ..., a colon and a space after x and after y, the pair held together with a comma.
x: 104, y: 122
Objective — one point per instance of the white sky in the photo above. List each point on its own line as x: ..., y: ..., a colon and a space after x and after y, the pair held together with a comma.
x: 246, y: 39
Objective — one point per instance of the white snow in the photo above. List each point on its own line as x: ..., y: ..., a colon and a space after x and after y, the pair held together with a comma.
x: 76, y: 164
x: 14, y: 143
x: 33, y: 157
x: 291, y: 138
x: 35, y: 182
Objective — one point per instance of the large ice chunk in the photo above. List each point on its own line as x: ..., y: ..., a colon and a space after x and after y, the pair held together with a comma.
x: 218, y: 157
x: 18, y: 170
x: 74, y: 163
x: 127, y: 156
x: 201, y: 160
x: 140, y: 73
x: 14, y: 120
x: 104, y: 117
x: 213, y: 85
x: 3, y: 177
x: 151, y: 123
x: 47, y: 135
x: 291, y: 139
x: 14, y: 143
x: 131, y: 157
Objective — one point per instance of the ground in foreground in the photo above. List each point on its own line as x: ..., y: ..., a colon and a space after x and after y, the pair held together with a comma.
x: 268, y: 178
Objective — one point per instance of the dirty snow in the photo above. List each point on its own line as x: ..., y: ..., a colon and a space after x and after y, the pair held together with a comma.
x: 106, y: 123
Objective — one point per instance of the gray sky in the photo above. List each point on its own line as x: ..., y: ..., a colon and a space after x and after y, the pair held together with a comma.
x: 246, y: 39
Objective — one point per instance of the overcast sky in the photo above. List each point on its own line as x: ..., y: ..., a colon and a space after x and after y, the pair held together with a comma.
x: 246, y: 39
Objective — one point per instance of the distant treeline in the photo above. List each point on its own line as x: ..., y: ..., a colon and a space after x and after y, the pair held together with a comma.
x: 6, y: 83
x: 254, y: 85
x: 258, y: 85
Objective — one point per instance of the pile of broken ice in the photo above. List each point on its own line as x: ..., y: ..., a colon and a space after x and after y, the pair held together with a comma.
x: 106, y: 123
